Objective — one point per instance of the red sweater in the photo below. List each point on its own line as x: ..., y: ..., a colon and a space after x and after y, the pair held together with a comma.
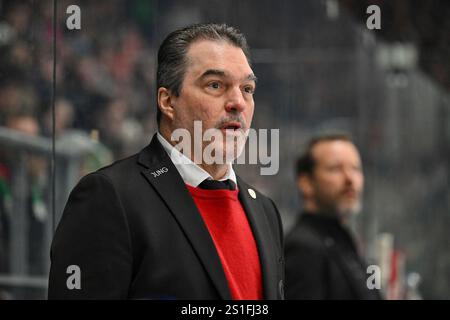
x: 230, y: 230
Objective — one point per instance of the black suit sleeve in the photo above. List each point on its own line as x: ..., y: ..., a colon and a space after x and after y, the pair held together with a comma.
x: 305, y: 269
x: 280, y: 226
x: 93, y: 234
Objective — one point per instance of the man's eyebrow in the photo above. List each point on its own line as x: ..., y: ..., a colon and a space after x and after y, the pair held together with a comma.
x: 252, y: 77
x: 221, y: 73
x: 213, y: 72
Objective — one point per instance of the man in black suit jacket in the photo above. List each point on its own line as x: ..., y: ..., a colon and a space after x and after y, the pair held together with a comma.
x: 322, y: 260
x: 133, y: 231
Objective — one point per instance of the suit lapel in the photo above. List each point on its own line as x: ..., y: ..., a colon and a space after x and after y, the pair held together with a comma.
x: 263, y: 237
x: 164, y: 177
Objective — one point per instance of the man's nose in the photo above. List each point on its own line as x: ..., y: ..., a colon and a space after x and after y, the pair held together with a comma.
x: 349, y: 175
x: 354, y: 177
x: 235, y: 100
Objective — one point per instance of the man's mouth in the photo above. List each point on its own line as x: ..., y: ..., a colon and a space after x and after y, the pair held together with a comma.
x: 350, y: 194
x: 231, y: 126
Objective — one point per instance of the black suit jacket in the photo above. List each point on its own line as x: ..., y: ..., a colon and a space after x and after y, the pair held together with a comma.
x: 322, y: 262
x: 135, y: 233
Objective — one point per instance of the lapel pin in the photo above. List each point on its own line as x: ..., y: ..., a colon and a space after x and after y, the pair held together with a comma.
x: 252, y: 193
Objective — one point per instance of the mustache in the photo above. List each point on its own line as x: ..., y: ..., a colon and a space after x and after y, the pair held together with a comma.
x: 237, y: 118
x: 351, y: 190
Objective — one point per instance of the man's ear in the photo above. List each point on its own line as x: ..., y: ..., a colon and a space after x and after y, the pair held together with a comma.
x: 165, y: 98
x: 305, y: 186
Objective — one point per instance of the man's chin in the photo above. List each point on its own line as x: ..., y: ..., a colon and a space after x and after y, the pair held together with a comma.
x: 232, y: 152
x: 233, y: 149
x: 221, y: 154
x: 233, y: 133
x: 349, y: 211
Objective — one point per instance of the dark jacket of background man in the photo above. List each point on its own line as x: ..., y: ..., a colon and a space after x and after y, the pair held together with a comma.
x: 322, y: 259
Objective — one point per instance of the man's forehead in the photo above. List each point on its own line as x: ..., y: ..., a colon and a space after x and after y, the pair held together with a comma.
x: 328, y: 151
x: 206, y: 57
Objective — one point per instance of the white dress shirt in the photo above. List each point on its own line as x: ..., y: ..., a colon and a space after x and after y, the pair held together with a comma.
x: 191, y: 173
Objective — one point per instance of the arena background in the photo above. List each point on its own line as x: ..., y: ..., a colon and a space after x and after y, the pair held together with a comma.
x: 320, y: 68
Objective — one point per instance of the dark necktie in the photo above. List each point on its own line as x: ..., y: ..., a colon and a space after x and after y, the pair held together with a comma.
x: 216, y: 185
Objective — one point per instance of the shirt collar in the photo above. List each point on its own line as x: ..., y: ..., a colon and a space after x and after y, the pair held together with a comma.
x: 191, y: 173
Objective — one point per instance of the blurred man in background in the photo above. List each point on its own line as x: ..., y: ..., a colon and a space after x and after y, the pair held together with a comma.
x: 322, y: 260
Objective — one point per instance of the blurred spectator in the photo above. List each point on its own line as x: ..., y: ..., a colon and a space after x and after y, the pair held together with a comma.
x: 118, y: 132
x: 64, y: 116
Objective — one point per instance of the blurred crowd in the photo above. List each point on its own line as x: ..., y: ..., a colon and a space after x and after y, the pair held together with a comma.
x: 104, y: 79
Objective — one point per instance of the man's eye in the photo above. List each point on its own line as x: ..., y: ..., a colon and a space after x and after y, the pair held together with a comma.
x: 334, y: 168
x: 249, y: 89
x: 214, y: 85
